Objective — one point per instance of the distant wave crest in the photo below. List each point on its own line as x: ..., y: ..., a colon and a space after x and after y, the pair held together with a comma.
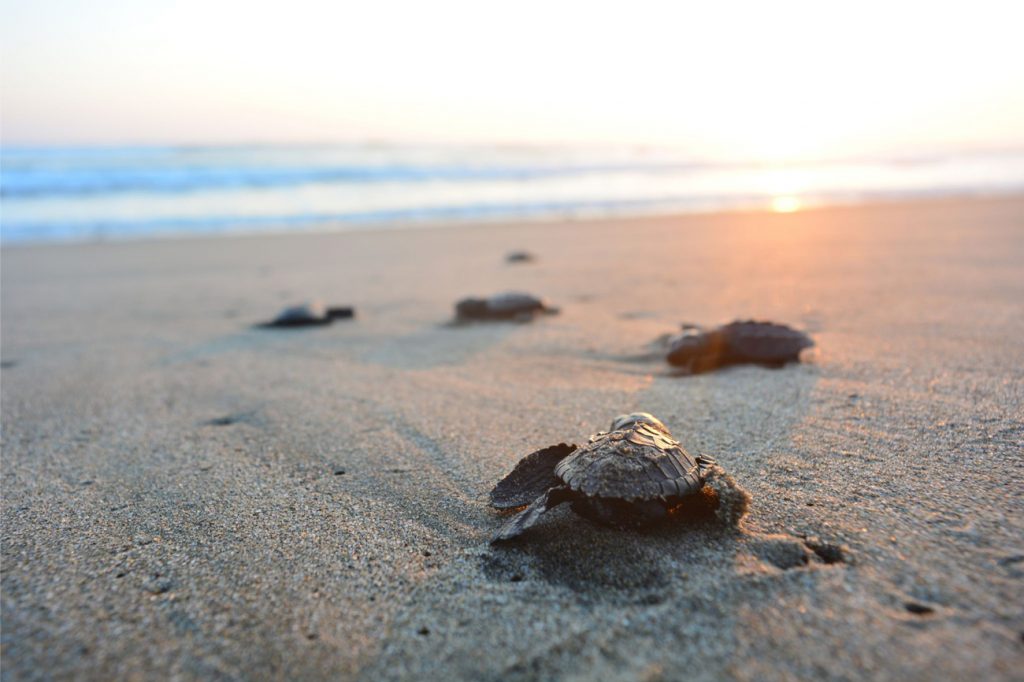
x: 84, y: 175
x: 69, y: 193
x: 185, y: 179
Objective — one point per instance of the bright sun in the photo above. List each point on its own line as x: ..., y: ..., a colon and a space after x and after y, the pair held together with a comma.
x: 786, y: 204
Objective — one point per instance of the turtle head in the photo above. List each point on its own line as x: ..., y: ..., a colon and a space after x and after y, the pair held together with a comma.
x: 625, y: 421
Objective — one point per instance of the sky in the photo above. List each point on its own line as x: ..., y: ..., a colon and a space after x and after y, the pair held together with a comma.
x: 725, y: 80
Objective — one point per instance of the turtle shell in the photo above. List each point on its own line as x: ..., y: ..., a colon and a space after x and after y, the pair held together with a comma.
x: 506, y: 306
x: 740, y: 341
x: 310, y: 314
x: 764, y: 341
x: 626, y: 420
x: 519, y: 257
x: 636, y: 463
x: 313, y: 312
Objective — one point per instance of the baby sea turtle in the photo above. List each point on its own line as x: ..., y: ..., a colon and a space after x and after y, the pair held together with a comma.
x: 507, y: 306
x: 310, y: 314
x: 519, y: 257
x: 763, y: 343
x: 632, y: 475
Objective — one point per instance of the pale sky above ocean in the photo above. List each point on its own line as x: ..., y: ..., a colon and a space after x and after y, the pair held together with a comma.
x: 726, y: 80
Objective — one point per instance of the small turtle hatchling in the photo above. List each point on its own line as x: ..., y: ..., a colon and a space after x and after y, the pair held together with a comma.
x: 507, y: 306
x: 632, y: 475
x: 742, y: 341
x: 519, y: 257
x: 311, y: 314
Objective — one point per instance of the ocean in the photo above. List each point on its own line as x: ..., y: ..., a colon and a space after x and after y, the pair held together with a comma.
x: 52, y: 194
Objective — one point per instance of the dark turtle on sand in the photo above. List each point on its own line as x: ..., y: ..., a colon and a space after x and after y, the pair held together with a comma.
x: 519, y: 257
x: 312, y: 314
x: 632, y: 475
x: 507, y: 306
x: 742, y: 341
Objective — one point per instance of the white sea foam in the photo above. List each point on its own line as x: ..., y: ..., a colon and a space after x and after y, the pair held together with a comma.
x: 84, y: 193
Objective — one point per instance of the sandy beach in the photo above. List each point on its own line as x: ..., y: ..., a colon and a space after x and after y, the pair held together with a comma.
x: 187, y: 497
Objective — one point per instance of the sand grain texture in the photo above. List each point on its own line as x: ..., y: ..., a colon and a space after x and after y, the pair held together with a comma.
x: 184, y: 495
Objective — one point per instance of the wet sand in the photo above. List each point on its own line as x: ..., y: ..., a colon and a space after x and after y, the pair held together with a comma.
x: 184, y: 495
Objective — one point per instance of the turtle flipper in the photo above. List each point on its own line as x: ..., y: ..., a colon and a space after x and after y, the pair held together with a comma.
x: 534, y: 474
x: 526, y: 518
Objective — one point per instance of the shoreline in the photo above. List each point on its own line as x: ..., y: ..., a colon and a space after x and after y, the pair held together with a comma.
x: 329, y: 226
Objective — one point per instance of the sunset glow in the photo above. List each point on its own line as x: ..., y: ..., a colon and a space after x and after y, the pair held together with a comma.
x: 731, y: 81
x: 786, y: 204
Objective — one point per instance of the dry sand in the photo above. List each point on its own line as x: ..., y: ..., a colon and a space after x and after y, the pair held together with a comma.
x: 186, y: 496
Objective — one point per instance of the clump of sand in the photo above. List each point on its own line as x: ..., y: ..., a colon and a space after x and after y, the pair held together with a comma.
x: 733, y: 499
